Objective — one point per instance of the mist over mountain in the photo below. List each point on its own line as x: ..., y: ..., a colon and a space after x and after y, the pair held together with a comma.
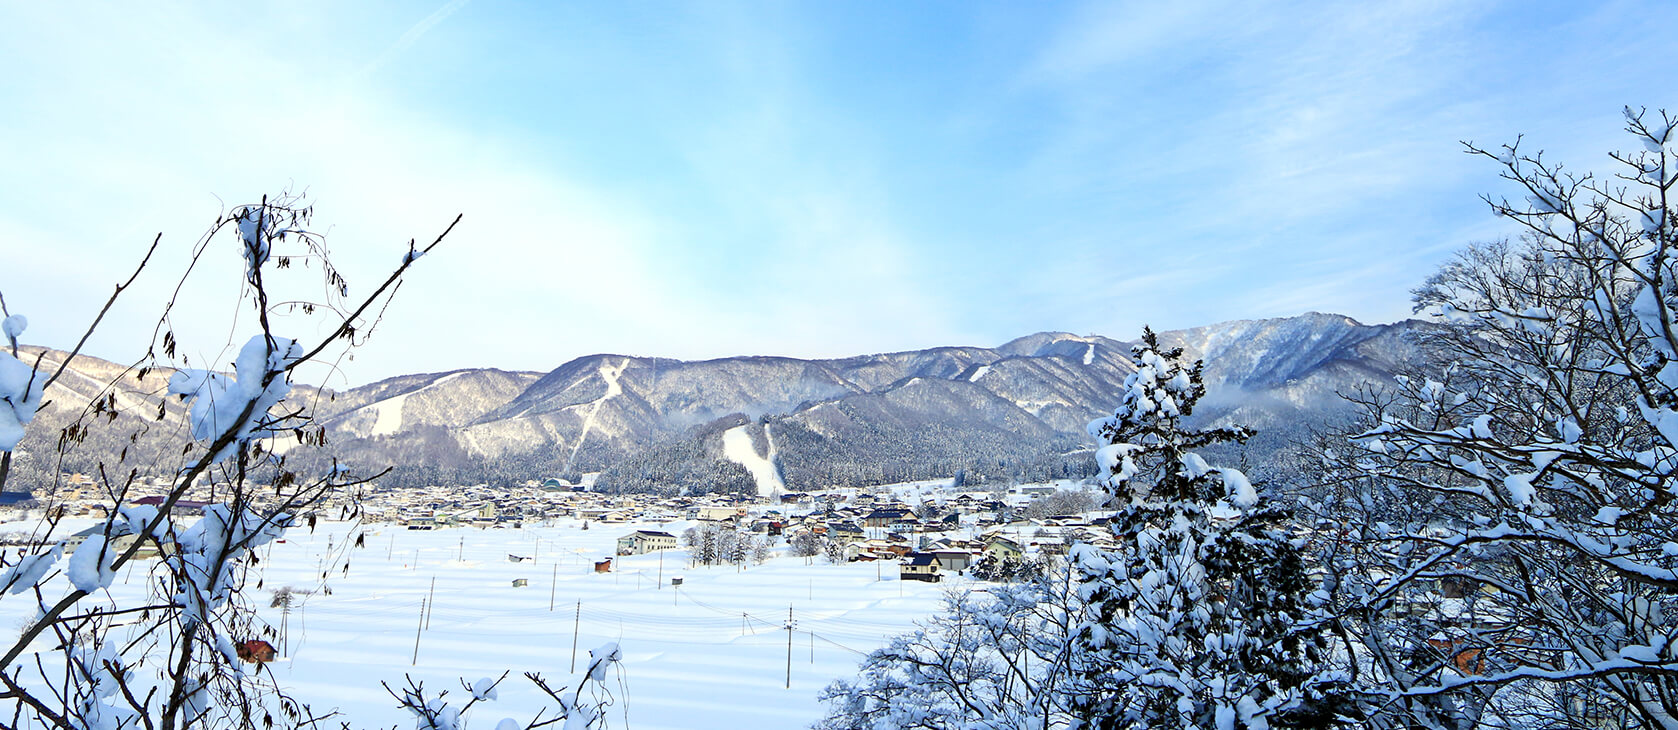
x: 1012, y: 412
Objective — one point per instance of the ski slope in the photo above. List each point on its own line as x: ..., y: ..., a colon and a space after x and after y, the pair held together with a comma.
x: 610, y: 374
x: 738, y: 447
x: 387, y: 414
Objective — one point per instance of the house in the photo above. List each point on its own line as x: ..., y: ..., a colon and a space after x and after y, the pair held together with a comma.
x: 886, y: 516
x: 1051, y: 545
x: 919, y: 566
x: 953, y: 561
x: 845, y: 531
x: 641, y: 542
x: 902, y: 526
x: 951, y: 521
x: 719, y: 514
x: 119, y: 543
x: 12, y: 498
x: 1001, y: 547
x: 182, y: 506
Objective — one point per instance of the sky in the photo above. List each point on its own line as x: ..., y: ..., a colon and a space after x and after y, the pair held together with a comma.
x: 709, y: 179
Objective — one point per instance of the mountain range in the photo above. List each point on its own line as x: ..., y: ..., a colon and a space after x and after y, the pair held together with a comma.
x: 1012, y: 412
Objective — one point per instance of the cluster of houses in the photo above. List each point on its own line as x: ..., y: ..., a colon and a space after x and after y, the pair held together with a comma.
x: 928, y: 539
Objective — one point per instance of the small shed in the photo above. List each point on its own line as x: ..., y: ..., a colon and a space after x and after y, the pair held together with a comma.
x: 520, y: 582
x: 603, y: 566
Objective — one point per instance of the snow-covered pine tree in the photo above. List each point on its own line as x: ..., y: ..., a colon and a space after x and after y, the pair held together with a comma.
x: 1195, y: 621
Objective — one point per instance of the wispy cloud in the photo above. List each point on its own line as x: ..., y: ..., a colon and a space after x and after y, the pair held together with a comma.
x: 409, y: 37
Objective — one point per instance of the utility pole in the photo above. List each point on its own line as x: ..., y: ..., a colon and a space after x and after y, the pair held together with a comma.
x: 417, y: 631
x: 431, y: 599
x: 661, y: 570
x: 575, y: 623
x: 553, y: 586
x: 789, y: 646
x: 462, y: 555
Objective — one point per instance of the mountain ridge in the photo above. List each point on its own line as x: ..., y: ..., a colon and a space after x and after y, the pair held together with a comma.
x: 1000, y: 412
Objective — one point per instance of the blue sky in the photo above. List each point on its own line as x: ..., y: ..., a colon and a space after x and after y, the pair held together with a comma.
x: 807, y: 179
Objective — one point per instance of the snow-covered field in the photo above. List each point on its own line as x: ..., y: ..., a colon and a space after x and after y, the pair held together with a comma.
x: 710, y: 654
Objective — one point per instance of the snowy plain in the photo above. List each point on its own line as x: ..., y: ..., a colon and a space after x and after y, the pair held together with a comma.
x: 712, y: 653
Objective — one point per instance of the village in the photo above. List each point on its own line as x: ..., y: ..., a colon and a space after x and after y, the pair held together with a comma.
x: 928, y: 529
x: 438, y: 581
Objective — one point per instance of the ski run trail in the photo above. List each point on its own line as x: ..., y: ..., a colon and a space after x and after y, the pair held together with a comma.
x: 609, y: 374
x: 738, y: 447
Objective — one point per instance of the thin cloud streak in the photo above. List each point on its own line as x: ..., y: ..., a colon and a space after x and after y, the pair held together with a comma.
x: 408, y: 38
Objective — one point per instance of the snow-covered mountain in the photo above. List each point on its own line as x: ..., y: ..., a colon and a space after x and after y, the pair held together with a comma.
x: 1016, y: 407
x: 1014, y: 411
